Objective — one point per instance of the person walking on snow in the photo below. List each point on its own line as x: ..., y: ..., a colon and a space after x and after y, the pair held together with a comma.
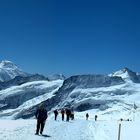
x: 68, y: 114
x: 63, y: 113
x: 72, y: 115
x: 55, y: 114
x: 41, y: 116
x: 96, y: 117
x: 87, y: 116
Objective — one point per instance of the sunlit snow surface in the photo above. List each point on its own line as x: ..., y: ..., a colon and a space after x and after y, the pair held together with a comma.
x: 78, y: 129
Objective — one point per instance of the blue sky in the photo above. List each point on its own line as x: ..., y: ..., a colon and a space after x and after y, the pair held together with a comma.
x: 70, y: 36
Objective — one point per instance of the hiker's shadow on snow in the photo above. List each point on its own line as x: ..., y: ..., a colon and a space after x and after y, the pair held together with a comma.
x: 46, y: 136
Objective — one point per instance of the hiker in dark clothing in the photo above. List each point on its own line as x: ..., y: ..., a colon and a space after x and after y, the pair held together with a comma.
x: 96, y: 117
x: 72, y: 115
x: 63, y: 113
x: 55, y: 114
x: 68, y: 114
x: 41, y: 116
x: 87, y: 115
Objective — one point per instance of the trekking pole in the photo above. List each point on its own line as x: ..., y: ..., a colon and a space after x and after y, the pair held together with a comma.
x: 119, y: 132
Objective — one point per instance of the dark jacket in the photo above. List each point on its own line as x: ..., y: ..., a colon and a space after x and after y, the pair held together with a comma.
x: 41, y: 114
x: 68, y: 112
x: 87, y: 115
x: 55, y: 112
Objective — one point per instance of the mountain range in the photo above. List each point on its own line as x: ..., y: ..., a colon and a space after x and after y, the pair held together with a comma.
x: 21, y: 92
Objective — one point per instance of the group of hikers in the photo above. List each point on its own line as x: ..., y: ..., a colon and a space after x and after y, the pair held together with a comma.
x: 67, y: 111
x: 41, y: 116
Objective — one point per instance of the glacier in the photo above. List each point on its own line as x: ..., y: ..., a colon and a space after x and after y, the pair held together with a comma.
x: 112, y: 97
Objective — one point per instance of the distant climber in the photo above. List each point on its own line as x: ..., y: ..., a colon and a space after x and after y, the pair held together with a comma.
x: 63, y: 114
x: 55, y: 114
x: 96, y: 117
x: 87, y: 116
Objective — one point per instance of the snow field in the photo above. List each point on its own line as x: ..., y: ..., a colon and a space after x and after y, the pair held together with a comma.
x: 78, y: 129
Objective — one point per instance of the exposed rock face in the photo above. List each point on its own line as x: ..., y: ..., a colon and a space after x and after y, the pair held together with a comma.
x: 83, y: 82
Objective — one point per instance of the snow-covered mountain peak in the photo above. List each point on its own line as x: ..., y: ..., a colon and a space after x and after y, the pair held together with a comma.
x: 8, y: 64
x: 121, y: 73
x: 9, y: 70
x: 127, y: 75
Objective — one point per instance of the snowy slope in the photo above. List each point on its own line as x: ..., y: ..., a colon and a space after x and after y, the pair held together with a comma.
x: 121, y: 73
x: 16, y: 99
x: 82, y: 92
x: 114, y: 98
x: 8, y: 71
x: 127, y: 75
x: 79, y: 129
